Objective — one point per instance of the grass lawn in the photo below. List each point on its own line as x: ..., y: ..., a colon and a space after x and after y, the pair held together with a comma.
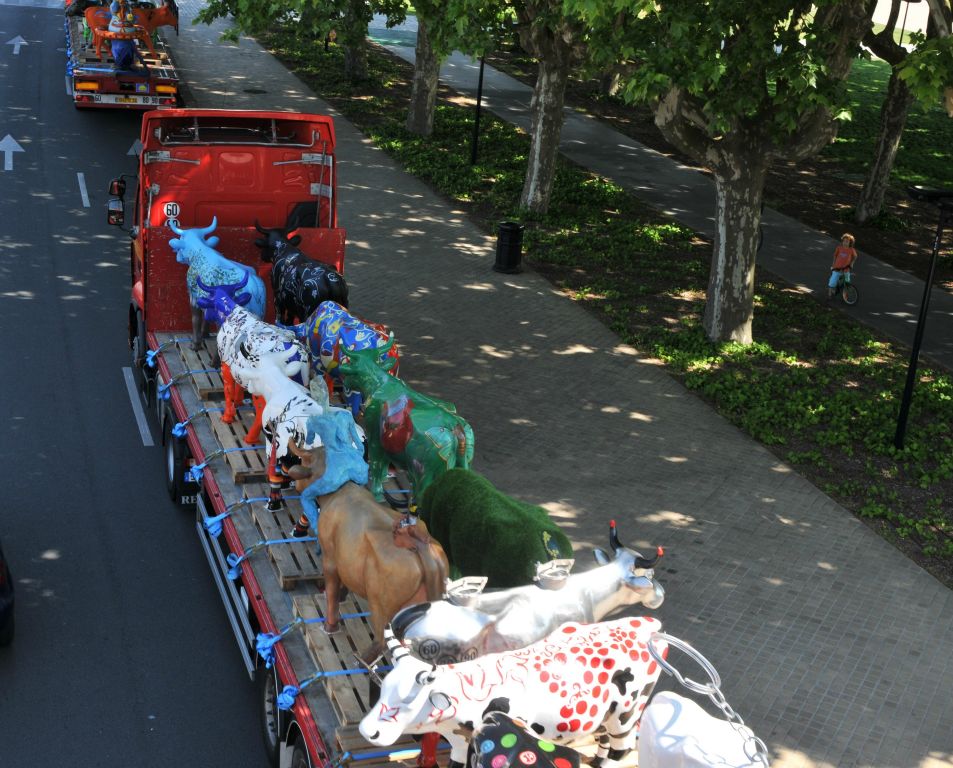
x: 821, y: 392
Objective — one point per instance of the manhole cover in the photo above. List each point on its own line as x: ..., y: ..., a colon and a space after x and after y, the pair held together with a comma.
x: 254, y: 90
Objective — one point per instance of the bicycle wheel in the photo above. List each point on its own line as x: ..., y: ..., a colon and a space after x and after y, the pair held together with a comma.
x: 849, y: 294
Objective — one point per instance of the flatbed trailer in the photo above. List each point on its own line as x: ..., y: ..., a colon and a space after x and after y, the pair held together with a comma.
x: 277, y: 584
x: 93, y: 79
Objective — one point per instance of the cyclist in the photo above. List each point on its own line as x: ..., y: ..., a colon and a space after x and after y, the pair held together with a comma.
x: 844, y: 258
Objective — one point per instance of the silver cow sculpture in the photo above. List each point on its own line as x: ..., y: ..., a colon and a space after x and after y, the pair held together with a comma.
x: 447, y: 632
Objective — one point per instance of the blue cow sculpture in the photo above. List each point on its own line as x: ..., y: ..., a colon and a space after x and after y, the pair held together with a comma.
x: 196, y: 248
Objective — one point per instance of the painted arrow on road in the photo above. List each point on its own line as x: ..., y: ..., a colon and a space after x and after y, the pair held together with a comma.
x: 16, y: 43
x: 8, y: 146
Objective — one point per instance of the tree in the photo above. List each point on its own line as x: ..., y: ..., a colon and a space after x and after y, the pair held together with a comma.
x: 557, y: 42
x: 735, y: 85
x: 317, y: 18
x: 893, y: 113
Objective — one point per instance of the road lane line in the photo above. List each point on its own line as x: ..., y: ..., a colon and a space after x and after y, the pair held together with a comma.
x: 82, y: 189
x: 137, y: 408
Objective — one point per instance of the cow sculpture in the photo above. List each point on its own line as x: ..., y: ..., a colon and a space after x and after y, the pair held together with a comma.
x: 299, y: 283
x: 421, y: 434
x: 580, y: 680
x: 357, y: 536
x: 330, y: 331
x: 503, y: 620
x: 196, y: 248
x: 243, y: 339
x: 677, y: 733
x: 487, y: 533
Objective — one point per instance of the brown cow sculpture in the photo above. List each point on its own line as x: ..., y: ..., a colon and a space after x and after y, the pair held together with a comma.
x: 364, y: 548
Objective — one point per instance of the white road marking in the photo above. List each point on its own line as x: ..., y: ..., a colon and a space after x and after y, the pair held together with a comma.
x: 82, y: 189
x: 137, y: 408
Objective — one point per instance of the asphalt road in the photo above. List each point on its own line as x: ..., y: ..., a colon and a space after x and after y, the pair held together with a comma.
x: 123, y: 655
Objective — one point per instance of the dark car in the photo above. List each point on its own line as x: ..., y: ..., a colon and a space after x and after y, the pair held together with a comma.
x: 6, y: 602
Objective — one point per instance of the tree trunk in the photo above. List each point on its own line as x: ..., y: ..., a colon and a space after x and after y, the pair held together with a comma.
x: 730, y: 304
x: 354, y: 41
x: 893, y: 117
x: 423, y: 92
x: 547, y: 122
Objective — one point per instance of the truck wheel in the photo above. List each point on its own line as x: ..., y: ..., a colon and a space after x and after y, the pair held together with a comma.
x: 271, y: 718
x: 138, y: 345
x: 176, y: 465
x: 299, y: 756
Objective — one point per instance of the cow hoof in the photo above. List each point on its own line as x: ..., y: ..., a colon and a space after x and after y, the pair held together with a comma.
x: 332, y: 629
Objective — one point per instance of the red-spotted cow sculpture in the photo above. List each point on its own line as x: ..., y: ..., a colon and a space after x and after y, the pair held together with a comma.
x: 582, y: 679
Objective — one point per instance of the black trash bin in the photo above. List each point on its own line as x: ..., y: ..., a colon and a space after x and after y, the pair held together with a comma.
x: 509, y: 248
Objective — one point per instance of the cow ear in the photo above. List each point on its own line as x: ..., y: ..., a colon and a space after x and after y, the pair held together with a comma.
x: 601, y: 557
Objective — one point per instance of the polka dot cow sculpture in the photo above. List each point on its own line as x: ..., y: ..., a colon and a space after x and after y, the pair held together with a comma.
x: 580, y: 680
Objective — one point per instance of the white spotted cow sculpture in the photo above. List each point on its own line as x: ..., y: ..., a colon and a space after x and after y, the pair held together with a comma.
x: 583, y: 679
x: 500, y: 620
x: 243, y: 340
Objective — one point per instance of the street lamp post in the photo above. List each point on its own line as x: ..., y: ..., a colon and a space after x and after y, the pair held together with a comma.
x: 943, y: 199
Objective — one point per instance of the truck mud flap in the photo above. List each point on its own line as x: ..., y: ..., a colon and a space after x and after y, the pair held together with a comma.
x: 233, y: 596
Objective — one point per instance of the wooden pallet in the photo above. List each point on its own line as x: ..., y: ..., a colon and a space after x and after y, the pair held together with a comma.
x: 294, y: 564
x: 350, y: 695
x: 402, y: 752
x: 208, y: 386
x: 247, y: 466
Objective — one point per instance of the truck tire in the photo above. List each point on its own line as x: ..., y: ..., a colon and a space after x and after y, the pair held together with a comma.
x: 299, y: 755
x: 176, y: 465
x: 271, y: 719
x: 137, y: 344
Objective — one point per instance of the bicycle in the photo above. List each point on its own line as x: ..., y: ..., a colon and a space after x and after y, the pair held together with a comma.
x: 846, y: 289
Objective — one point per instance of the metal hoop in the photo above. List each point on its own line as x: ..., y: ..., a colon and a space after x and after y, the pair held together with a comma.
x: 708, y: 689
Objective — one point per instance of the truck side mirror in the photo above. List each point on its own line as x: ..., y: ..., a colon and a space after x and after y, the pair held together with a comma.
x: 115, y: 212
x: 117, y: 188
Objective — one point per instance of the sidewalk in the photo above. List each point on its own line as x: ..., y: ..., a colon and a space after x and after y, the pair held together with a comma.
x: 834, y: 647
x: 889, y: 298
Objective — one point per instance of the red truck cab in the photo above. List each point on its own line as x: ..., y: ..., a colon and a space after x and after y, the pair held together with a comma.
x: 238, y: 168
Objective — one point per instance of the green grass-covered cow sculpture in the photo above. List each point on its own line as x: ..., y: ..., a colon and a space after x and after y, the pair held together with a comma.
x: 487, y: 533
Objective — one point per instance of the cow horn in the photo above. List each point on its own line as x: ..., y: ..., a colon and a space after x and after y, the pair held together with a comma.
x: 203, y: 286
x: 293, y: 447
x: 204, y: 231
x: 260, y: 228
x: 645, y: 562
x: 614, y: 538
x: 178, y: 230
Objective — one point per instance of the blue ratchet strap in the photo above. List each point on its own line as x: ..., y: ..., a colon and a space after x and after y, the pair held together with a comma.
x: 289, y: 693
x: 196, y: 471
x: 214, y: 524
x: 266, y: 641
x: 236, y: 562
x: 152, y: 354
x: 179, y: 428
x: 163, y: 393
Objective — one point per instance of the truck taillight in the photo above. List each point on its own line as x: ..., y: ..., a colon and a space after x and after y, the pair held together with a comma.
x: 165, y: 89
x: 86, y: 85
x: 167, y: 102
x: 83, y: 99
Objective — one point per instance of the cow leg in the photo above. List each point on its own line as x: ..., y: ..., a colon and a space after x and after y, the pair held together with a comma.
x: 228, y: 383
x: 275, y: 483
x: 198, y: 328
x: 428, y: 750
x: 254, y: 432
x: 332, y: 585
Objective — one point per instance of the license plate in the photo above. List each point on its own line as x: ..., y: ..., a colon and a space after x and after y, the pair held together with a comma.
x: 127, y: 99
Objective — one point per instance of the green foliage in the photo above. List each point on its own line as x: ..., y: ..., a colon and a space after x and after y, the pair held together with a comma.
x: 929, y: 69
x: 926, y: 154
x: 820, y: 390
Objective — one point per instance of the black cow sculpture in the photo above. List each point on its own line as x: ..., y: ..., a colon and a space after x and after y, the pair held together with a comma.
x: 298, y: 282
